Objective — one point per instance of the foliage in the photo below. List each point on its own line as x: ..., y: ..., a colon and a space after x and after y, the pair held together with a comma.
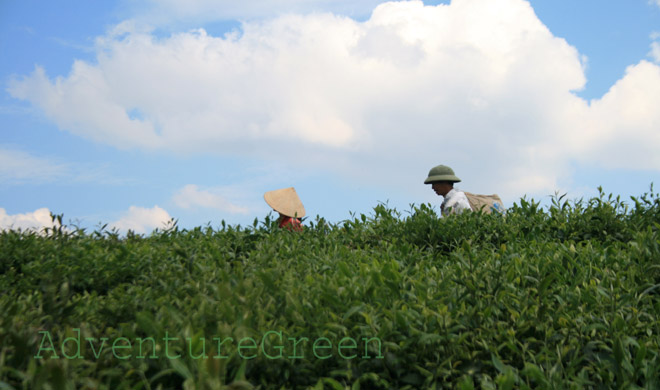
x: 566, y: 297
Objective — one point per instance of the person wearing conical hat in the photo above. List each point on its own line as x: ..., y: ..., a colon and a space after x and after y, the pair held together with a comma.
x: 442, y: 179
x: 287, y: 203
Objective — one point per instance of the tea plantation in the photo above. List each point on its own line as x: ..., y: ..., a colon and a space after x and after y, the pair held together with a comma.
x: 565, y: 296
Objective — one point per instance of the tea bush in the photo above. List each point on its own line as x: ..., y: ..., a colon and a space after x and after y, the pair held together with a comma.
x: 566, y: 296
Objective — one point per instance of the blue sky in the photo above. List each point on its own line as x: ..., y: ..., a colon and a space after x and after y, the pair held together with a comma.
x: 130, y: 112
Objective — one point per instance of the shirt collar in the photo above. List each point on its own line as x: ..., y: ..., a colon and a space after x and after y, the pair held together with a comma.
x: 450, y: 193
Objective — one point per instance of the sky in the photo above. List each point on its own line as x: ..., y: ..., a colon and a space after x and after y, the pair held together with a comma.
x: 130, y: 113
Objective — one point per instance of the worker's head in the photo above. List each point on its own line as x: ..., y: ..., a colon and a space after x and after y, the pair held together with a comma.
x: 286, y: 202
x: 442, y: 179
x: 442, y: 187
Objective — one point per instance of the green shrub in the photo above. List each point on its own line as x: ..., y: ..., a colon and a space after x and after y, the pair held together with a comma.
x: 562, y: 297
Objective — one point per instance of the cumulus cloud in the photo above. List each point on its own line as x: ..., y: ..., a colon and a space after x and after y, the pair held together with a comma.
x: 35, y: 221
x: 623, y: 125
x: 191, y: 196
x: 142, y: 220
x: 82, y: 100
x: 479, y: 84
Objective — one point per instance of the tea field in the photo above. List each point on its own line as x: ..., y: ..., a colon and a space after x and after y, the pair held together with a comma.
x: 559, y: 297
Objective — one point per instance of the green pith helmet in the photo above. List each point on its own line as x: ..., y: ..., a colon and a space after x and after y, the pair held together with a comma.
x: 441, y: 173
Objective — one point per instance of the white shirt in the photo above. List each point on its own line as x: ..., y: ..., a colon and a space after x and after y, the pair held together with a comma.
x: 455, y: 202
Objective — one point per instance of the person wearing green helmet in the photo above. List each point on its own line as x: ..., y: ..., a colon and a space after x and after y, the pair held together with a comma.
x: 442, y: 179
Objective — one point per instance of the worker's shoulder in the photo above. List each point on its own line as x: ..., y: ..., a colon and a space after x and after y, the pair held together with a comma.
x: 456, y: 194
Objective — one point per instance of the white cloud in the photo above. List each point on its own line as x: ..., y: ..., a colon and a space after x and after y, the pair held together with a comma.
x: 655, y: 52
x: 191, y: 196
x: 18, y: 166
x: 142, y: 220
x: 81, y: 101
x: 35, y: 221
x: 623, y: 125
x: 481, y: 85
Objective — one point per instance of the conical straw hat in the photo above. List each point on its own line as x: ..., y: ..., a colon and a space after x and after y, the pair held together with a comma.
x: 285, y: 201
